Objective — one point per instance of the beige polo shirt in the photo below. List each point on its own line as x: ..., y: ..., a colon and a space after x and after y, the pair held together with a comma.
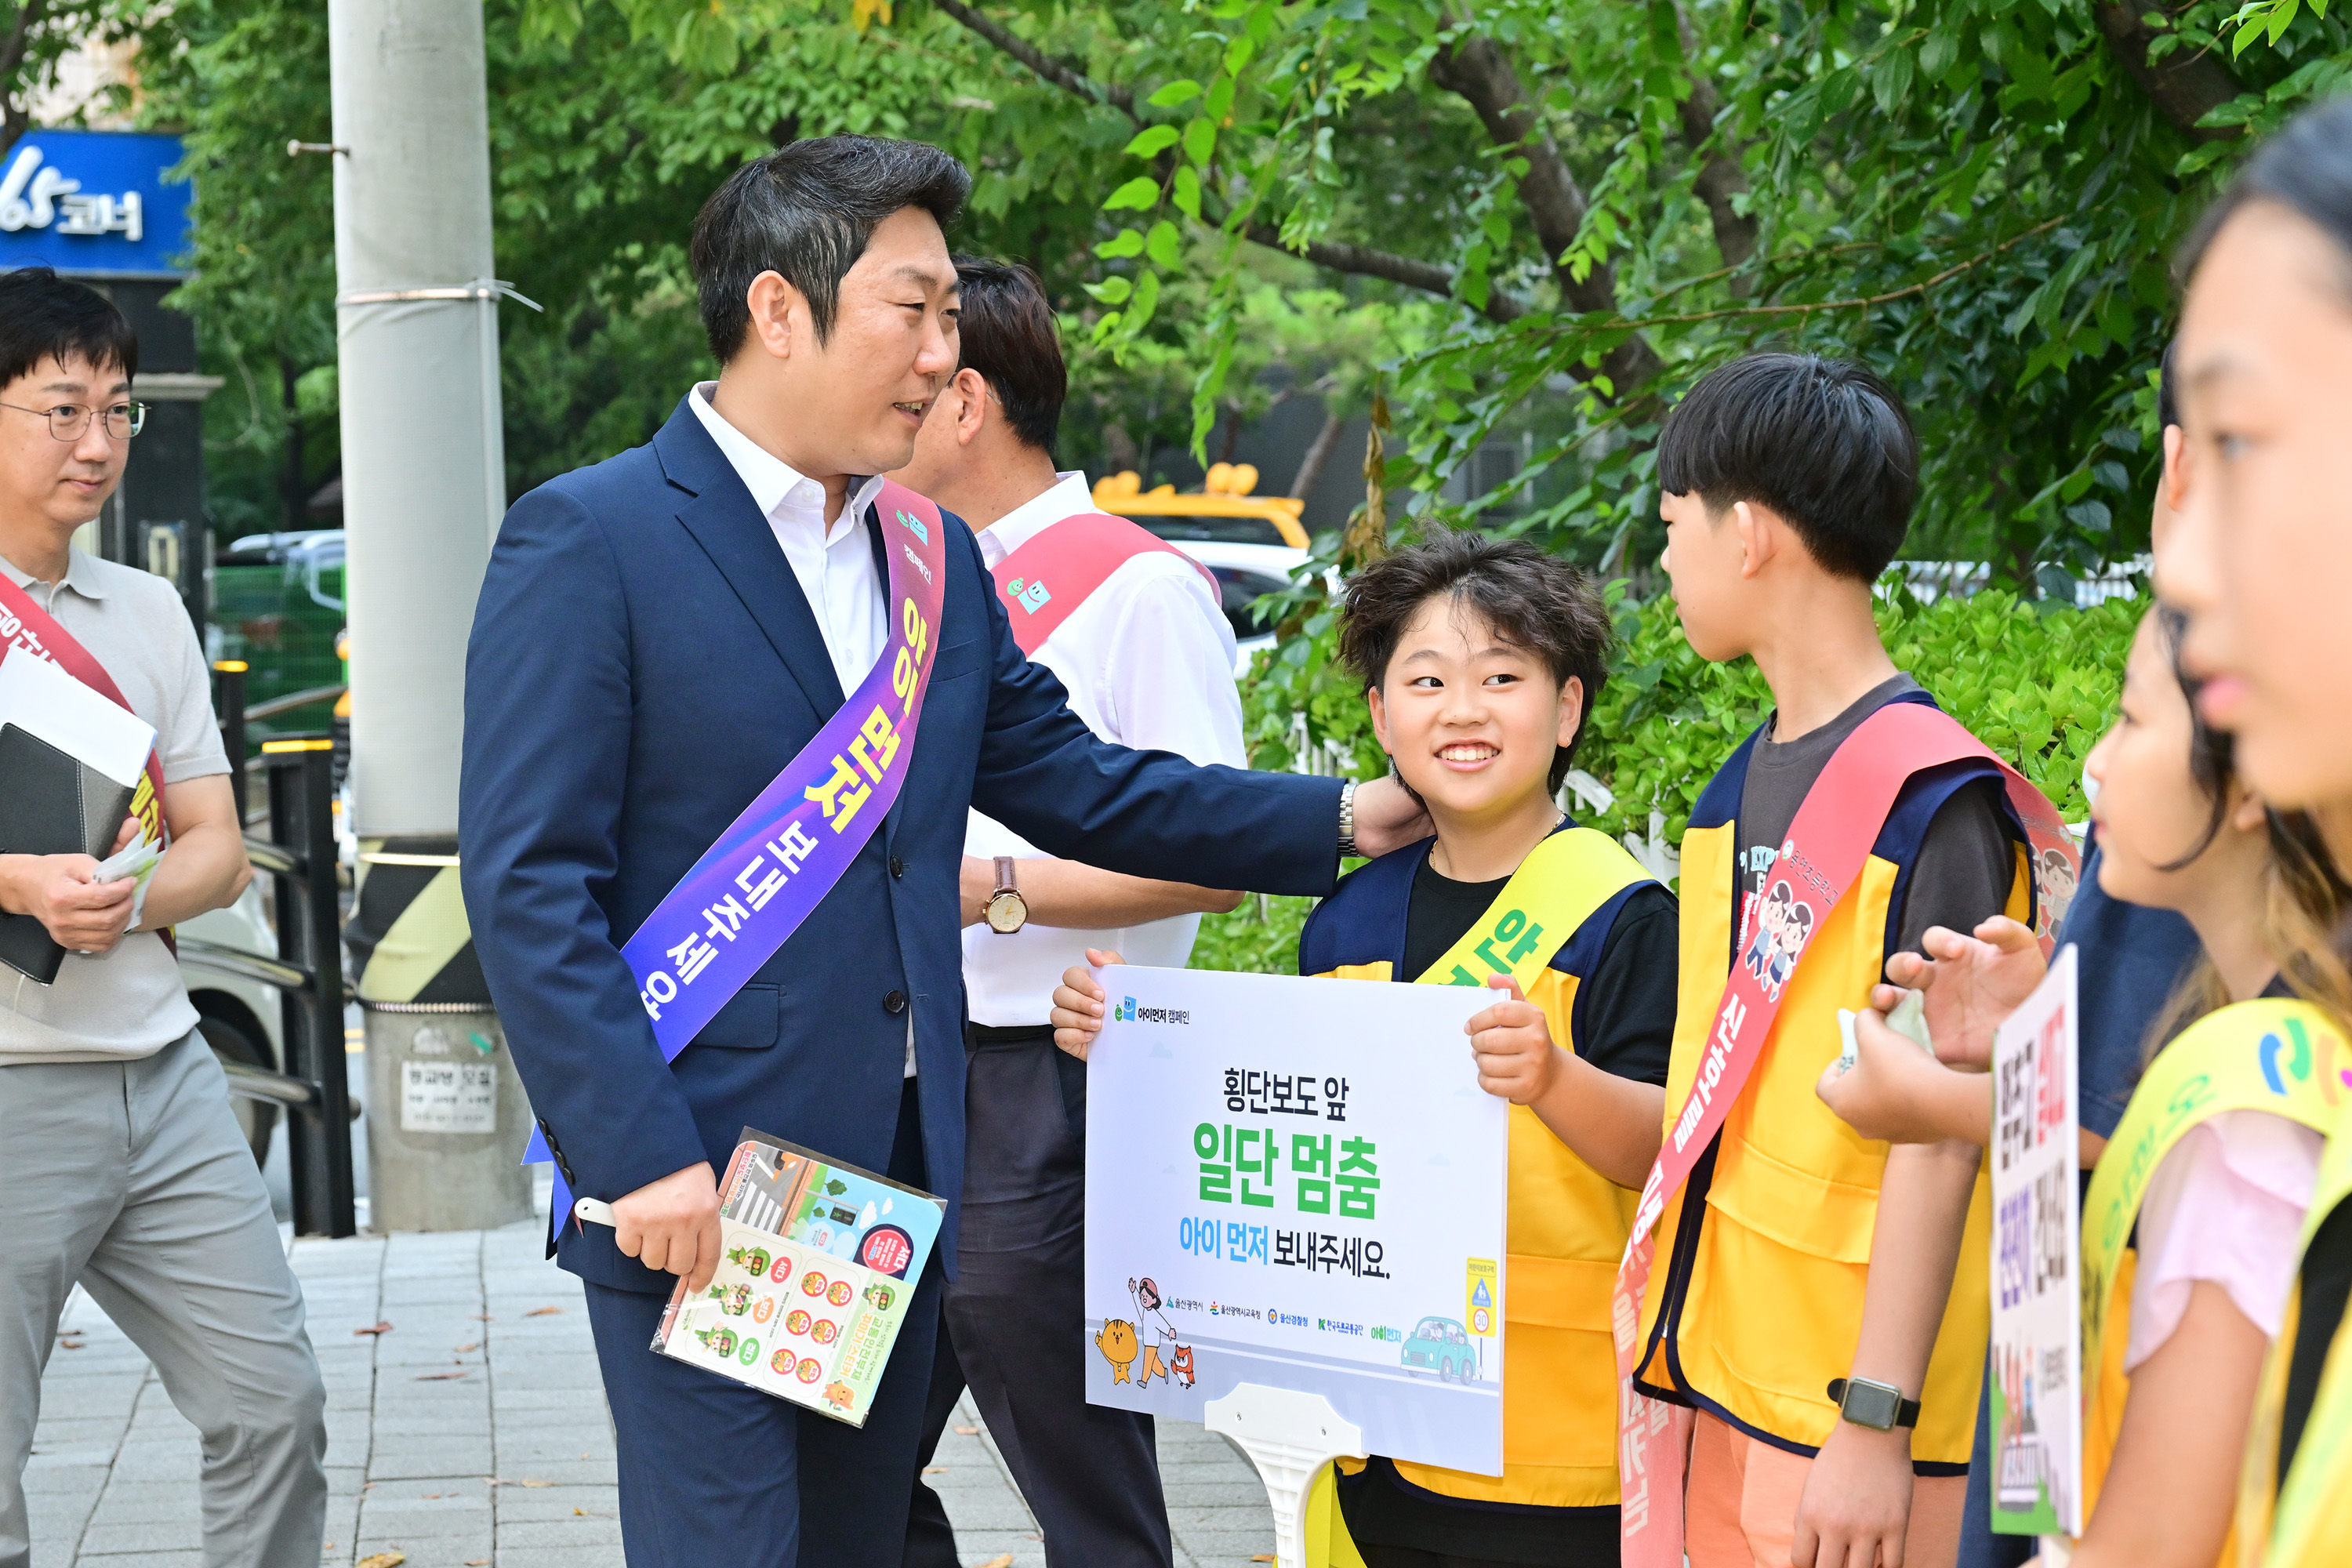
x: 130, y: 1002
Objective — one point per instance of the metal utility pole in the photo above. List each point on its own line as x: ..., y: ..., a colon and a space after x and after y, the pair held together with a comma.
x: 423, y: 488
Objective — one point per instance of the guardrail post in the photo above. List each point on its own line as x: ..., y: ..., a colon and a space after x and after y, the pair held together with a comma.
x: 301, y: 823
x: 228, y: 701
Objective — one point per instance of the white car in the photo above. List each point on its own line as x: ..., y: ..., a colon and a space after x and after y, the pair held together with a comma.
x: 1248, y: 556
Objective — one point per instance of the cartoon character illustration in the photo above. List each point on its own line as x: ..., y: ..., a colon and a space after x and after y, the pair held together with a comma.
x: 719, y: 1342
x: 753, y: 1259
x: 733, y: 1300
x: 880, y: 1295
x: 1796, y: 928
x: 1181, y: 1365
x: 1117, y: 1343
x: 2058, y: 888
x: 1163, y: 1334
x: 839, y: 1395
x: 1769, y: 915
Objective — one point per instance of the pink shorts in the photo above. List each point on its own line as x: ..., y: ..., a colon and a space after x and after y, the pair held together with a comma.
x: 1740, y: 1505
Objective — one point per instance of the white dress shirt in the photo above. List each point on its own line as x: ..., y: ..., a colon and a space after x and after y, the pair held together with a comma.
x: 834, y: 566
x: 1149, y: 662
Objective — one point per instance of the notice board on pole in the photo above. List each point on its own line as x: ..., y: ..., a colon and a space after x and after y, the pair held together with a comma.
x: 1297, y: 1184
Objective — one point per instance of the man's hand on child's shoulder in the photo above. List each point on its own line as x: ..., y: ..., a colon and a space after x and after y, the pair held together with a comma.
x: 1512, y: 1044
x: 1078, y: 1015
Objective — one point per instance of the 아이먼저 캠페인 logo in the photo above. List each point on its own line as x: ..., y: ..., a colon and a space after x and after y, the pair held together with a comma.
x: 915, y: 526
x: 1128, y: 1012
x: 1030, y: 595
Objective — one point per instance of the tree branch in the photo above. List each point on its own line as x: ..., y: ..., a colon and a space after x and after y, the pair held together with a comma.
x: 1068, y: 77
x: 1364, y: 262
x: 2185, y: 86
x: 1859, y: 303
x: 1477, y: 70
x: 1336, y: 255
x: 1720, y: 178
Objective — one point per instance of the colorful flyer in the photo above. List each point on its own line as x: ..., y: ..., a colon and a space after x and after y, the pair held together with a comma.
x: 2037, y: 1329
x: 818, y: 1264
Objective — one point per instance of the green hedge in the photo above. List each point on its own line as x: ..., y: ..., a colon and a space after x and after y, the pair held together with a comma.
x: 2036, y: 683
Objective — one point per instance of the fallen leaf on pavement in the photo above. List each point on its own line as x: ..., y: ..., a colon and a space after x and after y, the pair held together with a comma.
x: 474, y: 1346
x: 435, y: 1376
x: 501, y: 1482
x: 484, y: 1318
x: 477, y: 1562
x: 967, y: 1431
x: 383, y: 1328
x: 382, y: 1560
x: 1001, y: 1559
x: 1263, y: 1557
x: 935, y: 1469
x: 544, y: 1312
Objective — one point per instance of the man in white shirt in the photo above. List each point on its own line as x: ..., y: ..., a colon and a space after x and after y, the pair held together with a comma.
x: 1148, y: 657
x: 121, y: 1166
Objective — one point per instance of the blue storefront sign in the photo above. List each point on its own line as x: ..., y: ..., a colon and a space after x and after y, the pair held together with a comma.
x: 94, y: 203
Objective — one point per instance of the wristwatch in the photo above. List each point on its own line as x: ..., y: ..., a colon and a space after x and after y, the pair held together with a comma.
x: 1006, y: 911
x: 1348, y: 820
x: 1880, y: 1406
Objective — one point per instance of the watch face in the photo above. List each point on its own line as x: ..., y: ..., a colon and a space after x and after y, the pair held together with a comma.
x: 1871, y: 1404
x: 1007, y: 912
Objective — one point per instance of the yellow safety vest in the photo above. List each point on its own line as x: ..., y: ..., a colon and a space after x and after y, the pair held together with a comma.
x: 2307, y: 1521
x: 2253, y: 1056
x: 1755, y: 1303
x: 1566, y: 1225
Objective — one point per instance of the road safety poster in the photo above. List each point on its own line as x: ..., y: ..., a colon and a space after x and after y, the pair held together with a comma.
x: 1297, y: 1184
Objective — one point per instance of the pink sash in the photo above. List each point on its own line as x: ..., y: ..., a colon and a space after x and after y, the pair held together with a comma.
x: 1043, y: 582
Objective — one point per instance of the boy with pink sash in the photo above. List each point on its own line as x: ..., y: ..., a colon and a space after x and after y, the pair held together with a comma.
x: 1800, y: 1320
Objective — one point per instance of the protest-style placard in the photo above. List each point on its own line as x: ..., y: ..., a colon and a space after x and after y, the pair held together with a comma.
x: 2037, y: 1338
x: 1297, y: 1185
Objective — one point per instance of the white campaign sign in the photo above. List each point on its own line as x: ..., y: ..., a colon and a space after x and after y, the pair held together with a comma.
x: 1297, y: 1185
x: 2037, y: 1324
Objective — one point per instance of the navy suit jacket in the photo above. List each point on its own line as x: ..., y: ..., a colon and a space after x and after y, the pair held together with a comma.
x: 643, y: 664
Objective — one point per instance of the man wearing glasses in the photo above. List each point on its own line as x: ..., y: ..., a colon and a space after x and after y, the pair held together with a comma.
x: 121, y: 1167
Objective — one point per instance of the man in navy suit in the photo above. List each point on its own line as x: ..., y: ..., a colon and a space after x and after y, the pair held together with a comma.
x: 657, y: 636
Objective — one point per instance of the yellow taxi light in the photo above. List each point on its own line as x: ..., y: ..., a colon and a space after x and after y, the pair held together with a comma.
x: 1225, y: 493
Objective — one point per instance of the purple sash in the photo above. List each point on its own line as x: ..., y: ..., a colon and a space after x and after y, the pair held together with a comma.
x: 778, y: 859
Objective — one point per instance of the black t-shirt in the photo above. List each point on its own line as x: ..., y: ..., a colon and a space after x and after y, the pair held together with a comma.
x: 1624, y: 1022
x: 1967, y: 860
x: 2326, y: 1288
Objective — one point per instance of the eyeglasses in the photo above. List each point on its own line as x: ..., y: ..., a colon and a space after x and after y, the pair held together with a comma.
x: 70, y: 421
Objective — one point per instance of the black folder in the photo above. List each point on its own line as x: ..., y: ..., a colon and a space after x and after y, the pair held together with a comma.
x: 50, y: 804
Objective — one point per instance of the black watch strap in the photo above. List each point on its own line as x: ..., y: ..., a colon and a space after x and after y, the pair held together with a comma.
x: 1906, y: 1411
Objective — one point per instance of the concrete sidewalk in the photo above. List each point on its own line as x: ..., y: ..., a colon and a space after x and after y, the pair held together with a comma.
x: 472, y: 1432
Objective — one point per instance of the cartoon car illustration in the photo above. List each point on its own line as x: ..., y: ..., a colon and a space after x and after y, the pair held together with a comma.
x: 1442, y: 1345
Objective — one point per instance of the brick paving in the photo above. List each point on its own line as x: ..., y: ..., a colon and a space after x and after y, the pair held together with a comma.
x: 473, y: 1434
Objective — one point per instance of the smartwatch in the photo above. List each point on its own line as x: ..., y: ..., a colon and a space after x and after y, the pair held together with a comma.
x: 1880, y: 1406
x: 1006, y: 911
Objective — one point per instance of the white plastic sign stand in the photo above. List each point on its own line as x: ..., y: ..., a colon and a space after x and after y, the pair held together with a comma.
x: 1289, y: 1436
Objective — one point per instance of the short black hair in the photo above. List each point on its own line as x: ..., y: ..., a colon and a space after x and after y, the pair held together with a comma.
x: 806, y: 212
x: 2307, y: 169
x: 1009, y: 335
x: 44, y: 316
x: 2168, y: 395
x: 1535, y: 602
x: 1825, y: 443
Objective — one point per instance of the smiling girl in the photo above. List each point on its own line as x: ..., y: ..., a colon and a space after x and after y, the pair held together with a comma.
x: 1480, y: 659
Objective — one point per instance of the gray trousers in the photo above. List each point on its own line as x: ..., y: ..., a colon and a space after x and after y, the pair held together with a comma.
x: 132, y: 1178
